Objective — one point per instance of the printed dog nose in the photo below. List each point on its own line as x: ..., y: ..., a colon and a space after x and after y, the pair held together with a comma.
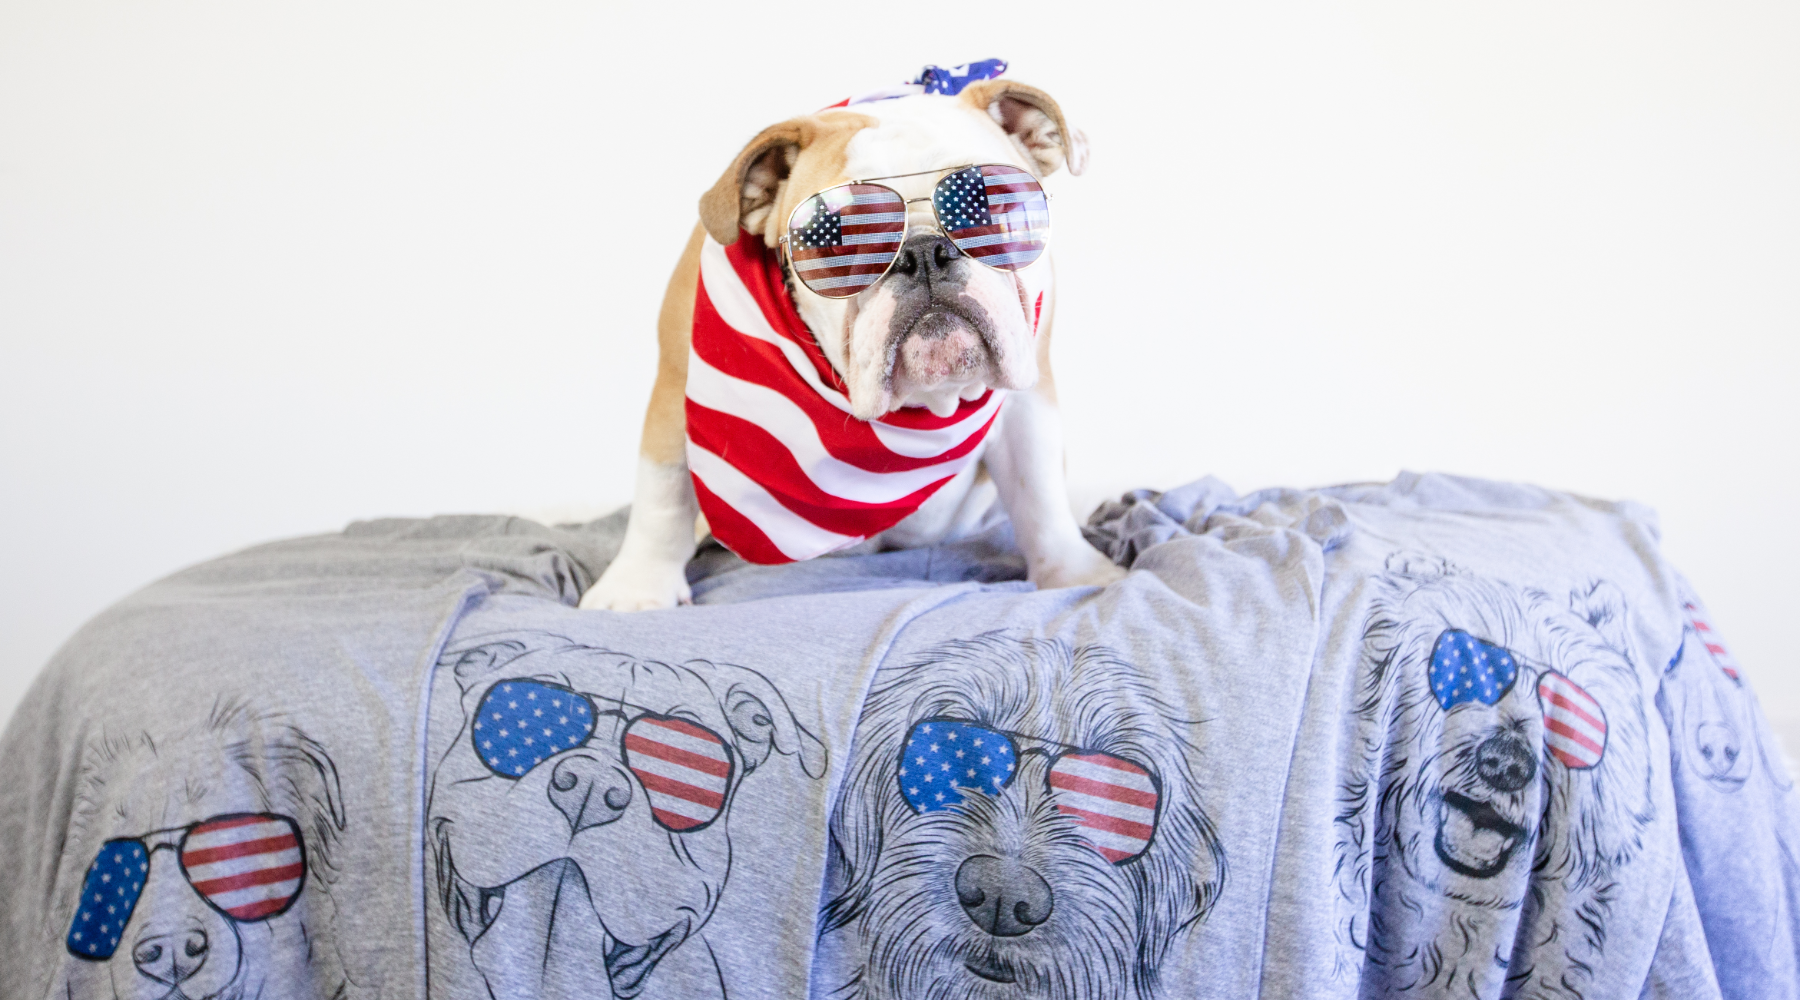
x: 1505, y: 763
x: 1718, y: 746
x: 171, y: 959
x: 1004, y: 898
x: 588, y: 792
x: 926, y: 256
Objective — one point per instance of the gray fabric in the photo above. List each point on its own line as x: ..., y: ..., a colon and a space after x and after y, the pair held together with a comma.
x: 1232, y: 774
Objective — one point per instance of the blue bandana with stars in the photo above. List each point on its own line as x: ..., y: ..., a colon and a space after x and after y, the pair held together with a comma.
x: 938, y: 80
x: 108, y: 895
x: 1464, y: 668
x: 522, y: 722
x: 943, y: 759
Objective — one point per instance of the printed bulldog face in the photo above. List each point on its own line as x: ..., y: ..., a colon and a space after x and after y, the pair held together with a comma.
x: 581, y: 815
x: 1021, y: 820
x: 210, y: 879
x: 937, y: 327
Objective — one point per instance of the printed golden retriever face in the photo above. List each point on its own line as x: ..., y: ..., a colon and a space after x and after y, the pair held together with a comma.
x: 1504, y: 754
x: 579, y: 821
x: 210, y: 866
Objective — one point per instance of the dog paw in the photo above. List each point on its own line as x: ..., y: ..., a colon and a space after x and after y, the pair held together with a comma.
x: 1085, y: 567
x: 638, y: 585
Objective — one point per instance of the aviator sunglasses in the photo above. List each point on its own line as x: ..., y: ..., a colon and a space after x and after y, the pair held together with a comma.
x: 247, y: 866
x: 1112, y: 800
x: 845, y: 238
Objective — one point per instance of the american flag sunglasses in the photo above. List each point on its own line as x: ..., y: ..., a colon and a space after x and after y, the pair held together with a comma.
x: 685, y: 768
x: 1466, y: 669
x: 845, y: 238
x: 247, y: 866
x: 1113, y: 801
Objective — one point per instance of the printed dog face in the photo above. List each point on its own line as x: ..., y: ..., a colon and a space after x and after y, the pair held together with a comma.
x: 938, y: 327
x: 213, y: 848
x: 1712, y: 727
x: 1021, y: 819
x: 1506, y: 747
x: 580, y: 818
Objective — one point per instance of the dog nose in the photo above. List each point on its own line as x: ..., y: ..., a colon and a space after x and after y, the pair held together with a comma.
x: 1004, y: 898
x: 171, y: 959
x: 588, y: 792
x: 1505, y: 763
x: 926, y: 256
x: 1718, y: 746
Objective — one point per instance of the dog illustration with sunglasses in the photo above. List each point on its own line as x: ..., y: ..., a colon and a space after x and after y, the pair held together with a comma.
x: 855, y: 343
x: 577, y: 821
x: 1022, y: 818
x: 1501, y: 787
x: 211, y: 874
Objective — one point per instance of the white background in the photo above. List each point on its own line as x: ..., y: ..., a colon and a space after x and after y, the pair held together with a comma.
x: 267, y: 268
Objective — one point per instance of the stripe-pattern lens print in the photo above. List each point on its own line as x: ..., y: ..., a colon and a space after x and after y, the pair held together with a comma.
x: 250, y: 867
x: 842, y: 239
x: 995, y: 213
x: 1111, y: 799
x: 1574, y: 725
x: 684, y: 769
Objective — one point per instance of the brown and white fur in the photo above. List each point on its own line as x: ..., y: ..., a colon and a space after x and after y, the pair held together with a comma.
x: 900, y: 342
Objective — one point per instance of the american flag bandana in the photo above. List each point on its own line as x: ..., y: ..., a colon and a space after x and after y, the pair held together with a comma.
x: 933, y: 80
x: 1574, y: 725
x: 1464, y: 668
x: 782, y: 469
x: 684, y: 768
x: 247, y: 866
x: 1111, y: 799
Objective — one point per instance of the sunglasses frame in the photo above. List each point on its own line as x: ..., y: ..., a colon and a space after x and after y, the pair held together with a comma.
x: 787, y: 255
x: 1068, y: 749
x: 595, y: 714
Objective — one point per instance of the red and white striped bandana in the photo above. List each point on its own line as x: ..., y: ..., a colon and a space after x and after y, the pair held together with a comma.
x: 782, y: 469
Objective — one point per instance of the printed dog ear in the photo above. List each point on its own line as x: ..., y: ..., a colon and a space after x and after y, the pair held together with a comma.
x: 761, y: 721
x: 1034, y: 121
x: 1603, y: 607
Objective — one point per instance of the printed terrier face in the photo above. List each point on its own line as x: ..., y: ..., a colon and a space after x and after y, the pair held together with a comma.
x: 938, y: 328
x: 581, y: 815
x: 1021, y: 820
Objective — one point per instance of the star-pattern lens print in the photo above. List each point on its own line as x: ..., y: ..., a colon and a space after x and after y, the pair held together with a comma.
x: 997, y: 214
x: 248, y: 867
x: 1110, y: 798
x: 1464, y: 669
x: 842, y: 239
x: 521, y: 723
x: 684, y: 768
x: 108, y: 895
x: 944, y: 759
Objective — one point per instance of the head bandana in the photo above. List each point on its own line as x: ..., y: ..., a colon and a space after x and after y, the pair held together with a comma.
x: 1464, y: 668
x: 933, y: 80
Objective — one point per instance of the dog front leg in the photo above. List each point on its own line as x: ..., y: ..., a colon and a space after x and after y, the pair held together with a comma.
x: 650, y: 570
x: 1026, y: 461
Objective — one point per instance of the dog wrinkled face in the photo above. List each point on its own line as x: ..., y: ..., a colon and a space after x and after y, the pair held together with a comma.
x: 938, y: 328
x: 1021, y: 821
x: 580, y: 817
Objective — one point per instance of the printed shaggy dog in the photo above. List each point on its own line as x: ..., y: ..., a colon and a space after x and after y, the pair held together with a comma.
x: 211, y: 869
x: 1504, y: 786
x: 1021, y: 819
x: 578, y: 823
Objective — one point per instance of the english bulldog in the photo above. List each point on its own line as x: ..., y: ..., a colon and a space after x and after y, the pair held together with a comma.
x: 855, y: 346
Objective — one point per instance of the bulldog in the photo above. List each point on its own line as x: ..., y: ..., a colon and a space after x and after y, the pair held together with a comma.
x: 855, y: 346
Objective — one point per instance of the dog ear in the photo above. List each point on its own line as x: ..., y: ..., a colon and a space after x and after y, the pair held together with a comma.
x: 1603, y: 607
x: 761, y: 720
x: 471, y: 663
x: 1034, y: 121
x: 748, y: 189
x: 314, y: 779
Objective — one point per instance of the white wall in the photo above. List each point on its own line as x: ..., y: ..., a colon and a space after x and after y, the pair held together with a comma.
x: 268, y: 268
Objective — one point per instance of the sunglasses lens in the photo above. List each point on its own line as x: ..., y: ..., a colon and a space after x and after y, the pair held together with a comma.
x: 108, y: 895
x: 997, y: 214
x: 1110, y: 798
x: 944, y: 759
x: 248, y: 867
x: 843, y: 238
x: 684, y: 768
x: 1574, y: 725
x: 521, y: 722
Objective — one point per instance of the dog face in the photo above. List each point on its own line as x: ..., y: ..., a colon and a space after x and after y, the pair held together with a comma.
x: 579, y: 819
x: 1713, y: 729
x: 1021, y: 819
x: 938, y: 328
x: 1509, y: 748
x: 213, y: 846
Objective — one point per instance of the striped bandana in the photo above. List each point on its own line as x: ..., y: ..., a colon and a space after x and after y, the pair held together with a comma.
x: 782, y: 469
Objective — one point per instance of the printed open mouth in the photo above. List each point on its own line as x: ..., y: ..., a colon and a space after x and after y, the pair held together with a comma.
x: 990, y: 968
x: 1473, y: 839
x: 629, y: 965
